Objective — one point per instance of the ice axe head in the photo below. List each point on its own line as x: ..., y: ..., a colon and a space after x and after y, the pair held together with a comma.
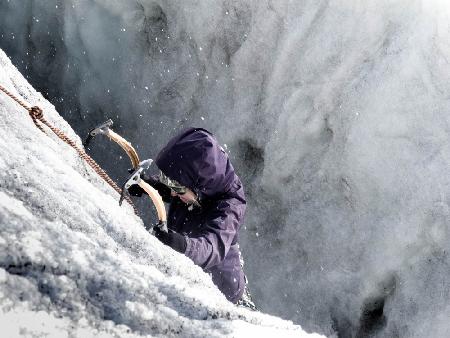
x: 100, y: 129
x: 134, y: 178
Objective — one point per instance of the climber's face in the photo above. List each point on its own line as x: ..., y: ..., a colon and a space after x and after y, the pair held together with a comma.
x: 185, y: 194
x: 187, y: 197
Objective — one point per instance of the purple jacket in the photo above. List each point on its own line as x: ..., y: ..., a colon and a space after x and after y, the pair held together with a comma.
x: 196, y: 160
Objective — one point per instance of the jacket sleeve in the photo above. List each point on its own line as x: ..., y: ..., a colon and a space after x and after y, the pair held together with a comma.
x: 212, y: 244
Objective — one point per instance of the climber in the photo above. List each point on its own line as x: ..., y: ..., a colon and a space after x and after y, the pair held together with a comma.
x: 207, y: 206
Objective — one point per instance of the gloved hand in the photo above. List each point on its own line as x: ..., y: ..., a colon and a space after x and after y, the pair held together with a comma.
x: 173, y: 239
x: 136, y: 190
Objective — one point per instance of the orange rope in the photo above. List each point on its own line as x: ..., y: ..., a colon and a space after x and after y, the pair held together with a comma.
x: 37, y: 116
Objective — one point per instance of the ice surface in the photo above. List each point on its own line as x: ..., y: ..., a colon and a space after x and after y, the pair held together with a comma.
x: 75, y: 264
x: 335, y: 114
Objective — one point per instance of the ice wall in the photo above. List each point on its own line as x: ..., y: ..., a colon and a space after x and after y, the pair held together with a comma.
x: 335, y: 114
x: 73, y: 263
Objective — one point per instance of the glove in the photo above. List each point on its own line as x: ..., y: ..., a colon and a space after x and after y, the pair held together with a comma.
x: 172, y: 239
x: 136, y: 190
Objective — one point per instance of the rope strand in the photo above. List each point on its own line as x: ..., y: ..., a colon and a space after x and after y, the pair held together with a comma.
x: 37, y: 116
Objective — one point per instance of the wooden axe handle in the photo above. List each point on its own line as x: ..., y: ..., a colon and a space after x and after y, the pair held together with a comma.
x: 125, y: 145
x: 156, y: 198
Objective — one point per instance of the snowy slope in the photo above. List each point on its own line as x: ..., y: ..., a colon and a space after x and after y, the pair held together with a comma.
x: 73, y: 263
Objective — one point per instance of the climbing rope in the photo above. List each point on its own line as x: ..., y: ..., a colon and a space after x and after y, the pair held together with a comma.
x: 37, y: 116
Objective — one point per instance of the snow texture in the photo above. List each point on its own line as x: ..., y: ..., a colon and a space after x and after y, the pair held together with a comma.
x: 336, y: 115
x: 75, y: 264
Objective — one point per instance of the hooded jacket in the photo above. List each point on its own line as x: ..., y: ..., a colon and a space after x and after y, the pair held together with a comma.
x: 195, y: 159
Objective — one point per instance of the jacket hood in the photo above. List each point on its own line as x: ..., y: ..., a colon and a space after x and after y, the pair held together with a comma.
x: 195, y: 159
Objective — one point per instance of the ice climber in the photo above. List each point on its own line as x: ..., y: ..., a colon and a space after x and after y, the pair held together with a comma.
x: 207, y: 206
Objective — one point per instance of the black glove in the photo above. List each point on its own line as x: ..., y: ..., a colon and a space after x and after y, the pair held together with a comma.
x: 136, y: 190
x: 172, y: 239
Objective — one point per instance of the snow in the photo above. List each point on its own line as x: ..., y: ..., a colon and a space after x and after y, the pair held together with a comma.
x: 75, y: 264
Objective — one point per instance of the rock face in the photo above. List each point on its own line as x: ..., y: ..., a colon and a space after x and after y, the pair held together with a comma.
x: 74, y: 263
x: 335, y: 114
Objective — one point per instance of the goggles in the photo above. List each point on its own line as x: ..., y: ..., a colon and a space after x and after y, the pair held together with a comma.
x: 172, y: 184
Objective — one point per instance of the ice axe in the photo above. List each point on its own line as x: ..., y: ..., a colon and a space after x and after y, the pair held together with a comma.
x: 105, y: 129
x: 135, y: 178
x: 138, y: 167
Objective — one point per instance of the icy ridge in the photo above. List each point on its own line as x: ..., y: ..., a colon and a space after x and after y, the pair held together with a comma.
x: 73, y: 263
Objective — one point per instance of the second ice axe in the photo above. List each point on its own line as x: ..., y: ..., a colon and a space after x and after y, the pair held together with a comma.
x: 135, y: 178
x: 105, y: 129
